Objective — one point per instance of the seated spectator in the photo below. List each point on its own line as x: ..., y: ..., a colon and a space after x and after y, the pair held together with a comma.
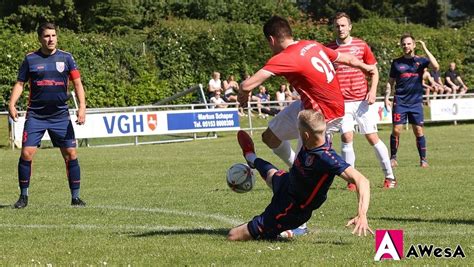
x: 264, y: 96
x: 214, y: 84
x: 230, y: 95
x: 437, y: 82
x: 217, y: 100
x: 454, y: 81
x: 283, y: 94
x: 429, y: 86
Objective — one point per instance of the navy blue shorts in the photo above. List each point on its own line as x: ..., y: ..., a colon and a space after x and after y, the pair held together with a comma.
x: 411, y: 113
x: 60, y: 131
x: 281, y: 214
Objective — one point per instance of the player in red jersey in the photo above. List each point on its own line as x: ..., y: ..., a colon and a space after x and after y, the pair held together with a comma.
x: 358, y: 99
x: 307, y: 65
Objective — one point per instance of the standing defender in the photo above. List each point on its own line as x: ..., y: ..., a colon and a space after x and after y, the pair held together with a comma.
x: 406, y: 73
x: 48, y: 72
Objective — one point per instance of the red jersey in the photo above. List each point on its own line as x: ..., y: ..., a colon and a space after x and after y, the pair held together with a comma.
x: 307, y: 65
x: 352, y: 80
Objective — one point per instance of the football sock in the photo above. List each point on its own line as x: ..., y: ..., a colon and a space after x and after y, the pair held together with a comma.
x: 285, y: 152
x: 250, y: 157
x: 421, y: 145
x: 24, y: 174
x: 74, y: 176
x: 347, y: 153
x: 381, y: 152
x: 393, y: 146
x: 263, y: 167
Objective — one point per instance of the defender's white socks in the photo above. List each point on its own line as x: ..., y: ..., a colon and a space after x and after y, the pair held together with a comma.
x: 285, y: 152
x: 347, y: 153
x: 381, y: 152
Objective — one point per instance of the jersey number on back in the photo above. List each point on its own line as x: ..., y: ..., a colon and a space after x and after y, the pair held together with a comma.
x: 324, y: 65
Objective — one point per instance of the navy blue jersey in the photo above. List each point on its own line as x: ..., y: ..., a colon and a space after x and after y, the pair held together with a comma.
x: 312, y: 174
x: 408, y: 74
x: 48, y: 77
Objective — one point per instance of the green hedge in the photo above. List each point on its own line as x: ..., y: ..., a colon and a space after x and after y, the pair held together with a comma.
x: 146, y: 66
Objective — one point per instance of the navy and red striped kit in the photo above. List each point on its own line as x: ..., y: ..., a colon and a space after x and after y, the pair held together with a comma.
x: 297, y: 193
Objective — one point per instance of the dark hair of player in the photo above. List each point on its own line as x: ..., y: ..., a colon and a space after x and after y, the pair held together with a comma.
x: 278, y: 28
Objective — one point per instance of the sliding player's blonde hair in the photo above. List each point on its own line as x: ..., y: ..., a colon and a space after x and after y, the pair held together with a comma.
x: 312, y: 121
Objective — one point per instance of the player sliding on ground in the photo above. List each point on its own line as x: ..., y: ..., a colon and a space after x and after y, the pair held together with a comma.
x: 297, y: 193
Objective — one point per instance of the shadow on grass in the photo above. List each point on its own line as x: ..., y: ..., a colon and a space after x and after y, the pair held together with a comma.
x: 440, y: 220
x: 3, y: 206
x: 332, y: 242
x: 196, y: 231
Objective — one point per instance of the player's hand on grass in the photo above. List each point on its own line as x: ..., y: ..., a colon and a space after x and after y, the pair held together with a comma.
x: 81, y: 116
x: 361, y: 225
x: 13, y: 113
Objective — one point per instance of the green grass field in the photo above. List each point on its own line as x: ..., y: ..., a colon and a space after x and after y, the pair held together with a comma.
x: 169, y: 205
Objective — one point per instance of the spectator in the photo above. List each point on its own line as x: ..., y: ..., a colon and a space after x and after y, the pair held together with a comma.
x: 230, y: 95
x: 214, y: 84
x: 283, y: 94
x: 264, y: 97
x: 454, y: 81
x: 217, y: 100
x: 428, y: 86
x: 442, y: 89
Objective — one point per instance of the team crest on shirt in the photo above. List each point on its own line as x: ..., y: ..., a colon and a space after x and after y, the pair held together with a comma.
x: 309, y: 160
x: 60, y: 66
x: 152, y: 121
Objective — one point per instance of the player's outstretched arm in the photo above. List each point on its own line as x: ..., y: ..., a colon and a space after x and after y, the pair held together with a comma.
x: 16, y: 93
x: 350, y: 60
x: 360, y: 221
x: 248, y: 85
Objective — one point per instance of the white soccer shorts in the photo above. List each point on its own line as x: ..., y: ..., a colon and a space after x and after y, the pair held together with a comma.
x: 361, y: 112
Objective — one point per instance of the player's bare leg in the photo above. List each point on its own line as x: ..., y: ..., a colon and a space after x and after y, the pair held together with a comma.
x: 281, y: 148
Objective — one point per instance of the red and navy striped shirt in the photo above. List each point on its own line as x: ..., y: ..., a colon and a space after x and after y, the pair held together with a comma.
x: 48, y: 77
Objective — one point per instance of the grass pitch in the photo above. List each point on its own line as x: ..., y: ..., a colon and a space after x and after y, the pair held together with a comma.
x: 169, y: 205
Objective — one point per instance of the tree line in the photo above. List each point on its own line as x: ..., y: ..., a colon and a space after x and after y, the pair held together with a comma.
x: 122, y: 16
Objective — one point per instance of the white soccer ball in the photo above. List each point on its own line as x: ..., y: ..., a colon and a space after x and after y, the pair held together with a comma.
x: 240, y: 178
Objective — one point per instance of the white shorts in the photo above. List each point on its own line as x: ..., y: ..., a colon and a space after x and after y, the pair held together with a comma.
x: 285, y: 124
x: 361, y: 112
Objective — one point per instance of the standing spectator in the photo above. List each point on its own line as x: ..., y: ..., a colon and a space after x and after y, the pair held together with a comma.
x: 406, y: 73
x: 48, y: 71
x: 358, y: 99
x: 453, y: 80
x: 214, y: 84
x: 217, y: 100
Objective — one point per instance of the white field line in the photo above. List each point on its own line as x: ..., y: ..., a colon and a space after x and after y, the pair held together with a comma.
x: 217, y: 217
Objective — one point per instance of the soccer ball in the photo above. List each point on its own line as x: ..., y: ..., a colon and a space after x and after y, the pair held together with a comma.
x: 240, y: 178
